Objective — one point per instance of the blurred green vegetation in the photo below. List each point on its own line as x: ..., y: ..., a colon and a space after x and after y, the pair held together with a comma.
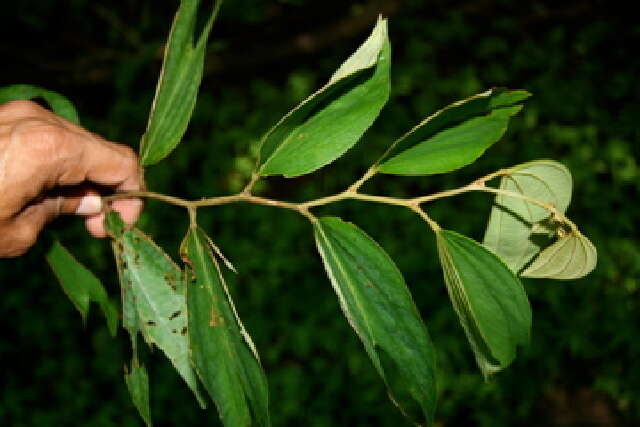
x: 578, y: 58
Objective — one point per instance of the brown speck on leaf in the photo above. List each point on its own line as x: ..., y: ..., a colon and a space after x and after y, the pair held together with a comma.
x: 174, y: 314
x: 216, y: 319
x: 183, y: 331
x: 150, y: 323
x: 174, y: 331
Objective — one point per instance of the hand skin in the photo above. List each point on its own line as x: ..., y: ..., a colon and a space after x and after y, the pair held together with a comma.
x: 50, y: 166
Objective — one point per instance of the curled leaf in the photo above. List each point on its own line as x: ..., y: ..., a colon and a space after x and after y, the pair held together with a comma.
x: 515, y: 224
x: 571, y: 257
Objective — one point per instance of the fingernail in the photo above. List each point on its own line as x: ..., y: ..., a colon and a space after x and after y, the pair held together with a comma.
x: 89, y: 205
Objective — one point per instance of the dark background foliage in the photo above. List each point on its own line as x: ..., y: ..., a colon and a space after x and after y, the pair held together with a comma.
x: 578, y: 58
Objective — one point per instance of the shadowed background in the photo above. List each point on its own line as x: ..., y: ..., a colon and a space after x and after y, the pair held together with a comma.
x: 576, y: 57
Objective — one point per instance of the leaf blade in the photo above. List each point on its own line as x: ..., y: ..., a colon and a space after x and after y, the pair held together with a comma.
x: 490, y: 301
x: 222, y: 352
x: 81, y: 285
x: 137, y: 382
x: 379, y: 307
x: 452, y: 148
x: 454, y: 114
x: 571, y: 257
x: 510, y: 232
x: 156, y: 288
x: 332, y: 120
x: 178, y: 84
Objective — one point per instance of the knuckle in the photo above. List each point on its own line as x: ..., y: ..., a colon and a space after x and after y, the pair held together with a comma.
x: 23, y: 236
x: 41, y: 138
x: 129, y: 158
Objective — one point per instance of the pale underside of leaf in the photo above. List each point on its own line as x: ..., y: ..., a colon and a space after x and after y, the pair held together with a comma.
x: 366, y: 55
x: 379, y: 307
x: 510, y: 233
x: 490, y: 301
x: 571, y: 257
x: 153, y: 295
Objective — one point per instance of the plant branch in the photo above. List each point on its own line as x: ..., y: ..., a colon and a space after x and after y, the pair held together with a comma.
x: 349, y: 194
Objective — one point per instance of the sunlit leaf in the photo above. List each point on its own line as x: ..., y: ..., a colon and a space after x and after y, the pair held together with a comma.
x: 81, y: 285
x: 332, y: 120
x: 138, y: 386
x: 58, y: 103
x: 510, y: 233
x: 153, y: 284
x: 490, y: 301
x: 178, y: 83
x: 375, y: 299
x: 452, y: 148
x: 571, y: 257
x: 222, y: 352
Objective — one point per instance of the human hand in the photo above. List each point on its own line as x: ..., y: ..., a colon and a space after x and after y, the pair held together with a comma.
x: 50, y: 166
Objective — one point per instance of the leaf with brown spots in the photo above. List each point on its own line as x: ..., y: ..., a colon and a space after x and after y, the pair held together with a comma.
x: 224, y: 357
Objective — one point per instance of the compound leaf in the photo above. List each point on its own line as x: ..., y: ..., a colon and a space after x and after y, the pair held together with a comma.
x: 490, y: 301
x: 572, y: 256
x: 379, y: 307
x: 453, y: 136
x: 153, y: 284
x: 332, y: 120
x: 58, y: 103
x: 510, y: 232
x: 137, y: 382
x: 223, y: 355
x: 178, y: 83
x: 81, y: 285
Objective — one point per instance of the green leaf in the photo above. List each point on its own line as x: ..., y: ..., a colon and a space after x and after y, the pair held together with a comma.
x: 222, y: 352
x: 571, y: 257
x: 138, y: 385
x: 80, y: 285
x: 452, y: 148
x: 490, y: 301
x: 379, y: 307
x: 332, y: 120
x: 453, y: 136
x: 58, y: 103
x: 153, y: 296
x: 510, y: 233
x: 178, y: 83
